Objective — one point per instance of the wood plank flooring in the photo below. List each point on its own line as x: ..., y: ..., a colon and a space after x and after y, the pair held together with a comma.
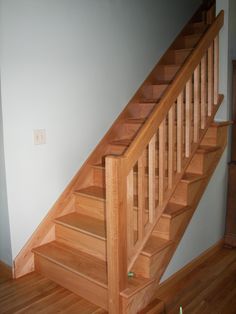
x: 34, y: 293
x: 208, y: 289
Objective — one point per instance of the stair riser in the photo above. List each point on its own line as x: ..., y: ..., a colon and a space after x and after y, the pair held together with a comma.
x: 148, y: 266
x: 99, y: 177
x: 154, y: 91
x: 215, y: 136
x: 187, y: 42
x: 130, y: 130
x: 185, y: 192
x: 167, y: 73
x: 176, y: 57
x: 200, y: 163
x: 137, y: 301
x: 85, y: 288
x: 81, y: 241
x: 141, y: 110
x: 167, y: 227
x: 200, y: 17
x: 99, y: 180
x: 86, y: 205
x: 116, y: 149
x: 195, y: 28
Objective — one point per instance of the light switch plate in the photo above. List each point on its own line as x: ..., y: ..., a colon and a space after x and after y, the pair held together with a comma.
x: 39, y: 137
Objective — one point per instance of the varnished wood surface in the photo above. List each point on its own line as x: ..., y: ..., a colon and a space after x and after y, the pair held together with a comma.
x: 5, y: 272
x: 210, y: 288
x: 36, y: 294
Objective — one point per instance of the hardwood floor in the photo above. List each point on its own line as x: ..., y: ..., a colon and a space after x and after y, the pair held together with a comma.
x: 209, y: 288
x: 34, y: 293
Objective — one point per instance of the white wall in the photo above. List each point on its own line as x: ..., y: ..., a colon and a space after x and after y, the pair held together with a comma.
x: 70, y: 67
x: 208, y: 223
x: 5, y: 241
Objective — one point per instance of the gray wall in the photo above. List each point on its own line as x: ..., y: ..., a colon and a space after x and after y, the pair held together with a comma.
x: 70, y: 67
x: 5, y: 241
x: 232, y: 29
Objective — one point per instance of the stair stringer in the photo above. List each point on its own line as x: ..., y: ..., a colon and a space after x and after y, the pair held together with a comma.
x: 24, y: 261
x: 128, y: 307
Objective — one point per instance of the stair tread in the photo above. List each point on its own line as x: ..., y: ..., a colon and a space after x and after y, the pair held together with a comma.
x: 170, y: 65
x: 93, y: 191
x: 164, y: 82
x: 83, y: 223
x: 155, y: 245
x: 149, y: 101
x: 76, y: 261
x: 182, y: 49
x: 218, y: 124
x: 136, y: 120
x: 135, y: 284
x: 201, y: 23
x: 174, y: 209
x: 192, y: 177
x: 98, y: 192
x: 121, y: 142
x: 204, y: 149
x: 193, y: 35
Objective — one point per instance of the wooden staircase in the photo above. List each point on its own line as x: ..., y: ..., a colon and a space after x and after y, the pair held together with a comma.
x: 112, y: 233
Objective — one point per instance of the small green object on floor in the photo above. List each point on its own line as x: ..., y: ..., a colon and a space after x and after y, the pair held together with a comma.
x: 181, y: 310
x: 130, y: 274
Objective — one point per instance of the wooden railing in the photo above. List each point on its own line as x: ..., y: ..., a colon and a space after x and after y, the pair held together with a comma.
x: 141, y: 181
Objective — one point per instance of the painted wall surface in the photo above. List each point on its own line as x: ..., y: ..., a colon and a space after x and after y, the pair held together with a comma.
x: 232, y: 29
x: 5, y: 240
x: 208, y: 223
x: 70, y: 67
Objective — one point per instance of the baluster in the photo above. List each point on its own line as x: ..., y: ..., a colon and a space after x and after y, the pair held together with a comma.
x: 210, y: 80
x: 203, y: 92
x: 130, y: 211
x: 188, y: 118
x: 170, y: 147
x: 151, y: 178
x: 196, y: 105
x: 216, y: 69
x: 179, y: 131
x: 161, y: 160
x: 141, y: 196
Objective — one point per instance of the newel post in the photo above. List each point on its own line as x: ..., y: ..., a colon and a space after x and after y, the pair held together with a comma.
x: 116, y: 228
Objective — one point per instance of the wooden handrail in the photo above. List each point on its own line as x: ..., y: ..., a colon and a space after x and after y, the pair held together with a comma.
x: 146, y: 132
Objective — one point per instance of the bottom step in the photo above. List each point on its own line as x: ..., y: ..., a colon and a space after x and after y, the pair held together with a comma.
x: 78, y: 272
x: 85, y: 275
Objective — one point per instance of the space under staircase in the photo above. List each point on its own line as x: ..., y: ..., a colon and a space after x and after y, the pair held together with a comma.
x: 112, y: 233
